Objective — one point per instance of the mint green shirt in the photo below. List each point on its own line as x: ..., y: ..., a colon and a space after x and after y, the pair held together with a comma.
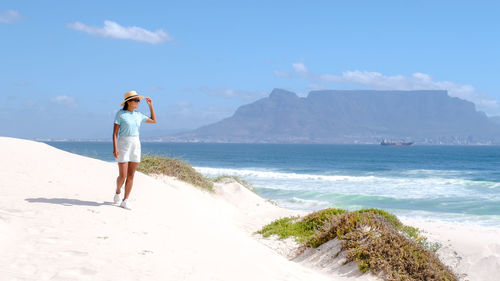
x: 129, y: 122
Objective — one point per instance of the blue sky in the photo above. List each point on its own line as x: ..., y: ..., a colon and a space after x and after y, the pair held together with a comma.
x: 67, y: 64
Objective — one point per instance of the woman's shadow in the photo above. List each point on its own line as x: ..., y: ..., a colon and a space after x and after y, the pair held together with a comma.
x: 66, y: 202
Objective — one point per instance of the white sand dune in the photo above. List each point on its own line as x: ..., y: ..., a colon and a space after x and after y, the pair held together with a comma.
x: 57, y: 222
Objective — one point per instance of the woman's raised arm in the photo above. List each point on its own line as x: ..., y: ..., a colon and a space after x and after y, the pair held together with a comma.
x: 151, y: 119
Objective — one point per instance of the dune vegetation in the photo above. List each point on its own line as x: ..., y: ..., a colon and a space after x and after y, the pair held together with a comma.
x: 234, y: 178
x: 374, y: 238
x: 159, y: 165
x: 172, y: 167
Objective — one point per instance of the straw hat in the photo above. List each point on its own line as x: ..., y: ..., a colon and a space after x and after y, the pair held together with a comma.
x: 130, y: 95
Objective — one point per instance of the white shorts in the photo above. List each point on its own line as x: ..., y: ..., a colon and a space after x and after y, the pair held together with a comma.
x: 129, y: 149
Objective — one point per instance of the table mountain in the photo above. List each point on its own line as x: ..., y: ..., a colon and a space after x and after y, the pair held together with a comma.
x: 352, y: 116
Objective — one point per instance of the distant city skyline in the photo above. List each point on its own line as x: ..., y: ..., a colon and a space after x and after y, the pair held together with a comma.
x: 67, y: 64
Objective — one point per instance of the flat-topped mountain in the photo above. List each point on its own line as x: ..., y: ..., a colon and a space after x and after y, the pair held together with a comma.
x: 353, y: 116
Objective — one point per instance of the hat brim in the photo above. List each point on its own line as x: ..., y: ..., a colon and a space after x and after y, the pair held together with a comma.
x: 130, y: 98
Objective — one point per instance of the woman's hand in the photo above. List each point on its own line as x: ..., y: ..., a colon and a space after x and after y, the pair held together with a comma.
x: 151, y: 119
x: 115, y: 153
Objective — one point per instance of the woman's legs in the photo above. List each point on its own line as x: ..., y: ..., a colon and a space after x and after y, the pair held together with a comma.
x: 122, y: 167
x: 132, y: 166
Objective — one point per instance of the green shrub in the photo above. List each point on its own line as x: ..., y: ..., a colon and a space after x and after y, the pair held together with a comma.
x: 314, y: 221
x: 410, y: 231
x: 284, y: 228
x: 300, y: 229
x: 392, y: 219
x: 151, y: 164
x: 370, y: 239
x: 374, y: 238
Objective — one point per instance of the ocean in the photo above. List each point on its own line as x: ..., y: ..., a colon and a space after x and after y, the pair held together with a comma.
x: 443, y: 183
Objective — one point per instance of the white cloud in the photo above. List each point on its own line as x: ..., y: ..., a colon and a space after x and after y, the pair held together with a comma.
x: 417, y: 81
x: 9, y: 16
x: 114, y: 30
x: 299, y: 67
x: 65, y: 100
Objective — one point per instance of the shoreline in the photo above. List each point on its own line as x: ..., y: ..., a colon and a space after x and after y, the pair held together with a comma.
x: 58, y: 228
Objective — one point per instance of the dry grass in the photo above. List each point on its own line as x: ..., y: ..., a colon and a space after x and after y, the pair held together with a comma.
x: 375, y: 244
x: 375, y: 239
x: 151, y: 164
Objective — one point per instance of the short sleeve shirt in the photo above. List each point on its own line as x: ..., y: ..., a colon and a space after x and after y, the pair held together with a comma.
x: 129, y: 122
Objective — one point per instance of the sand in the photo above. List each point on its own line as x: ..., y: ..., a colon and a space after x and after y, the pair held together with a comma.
x: 471, y: 251
x: 57, y: 222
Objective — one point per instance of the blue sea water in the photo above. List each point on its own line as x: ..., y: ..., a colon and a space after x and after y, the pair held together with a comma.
x: 449, y: 183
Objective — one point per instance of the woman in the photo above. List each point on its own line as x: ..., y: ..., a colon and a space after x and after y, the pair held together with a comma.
x: 127, y: 150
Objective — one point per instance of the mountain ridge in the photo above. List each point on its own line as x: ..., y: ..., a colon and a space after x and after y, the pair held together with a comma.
x: 352, y: 116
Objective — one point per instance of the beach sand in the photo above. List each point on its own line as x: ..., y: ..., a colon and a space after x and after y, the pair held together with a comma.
x: 471, y: 251
x: 57, y: 222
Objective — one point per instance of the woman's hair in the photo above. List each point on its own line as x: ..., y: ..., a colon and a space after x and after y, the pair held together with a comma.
x: 125, y: 106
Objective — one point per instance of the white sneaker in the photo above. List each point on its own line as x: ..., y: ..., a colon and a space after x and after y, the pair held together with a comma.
x: 117, y: 198
x: 125, y: 204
